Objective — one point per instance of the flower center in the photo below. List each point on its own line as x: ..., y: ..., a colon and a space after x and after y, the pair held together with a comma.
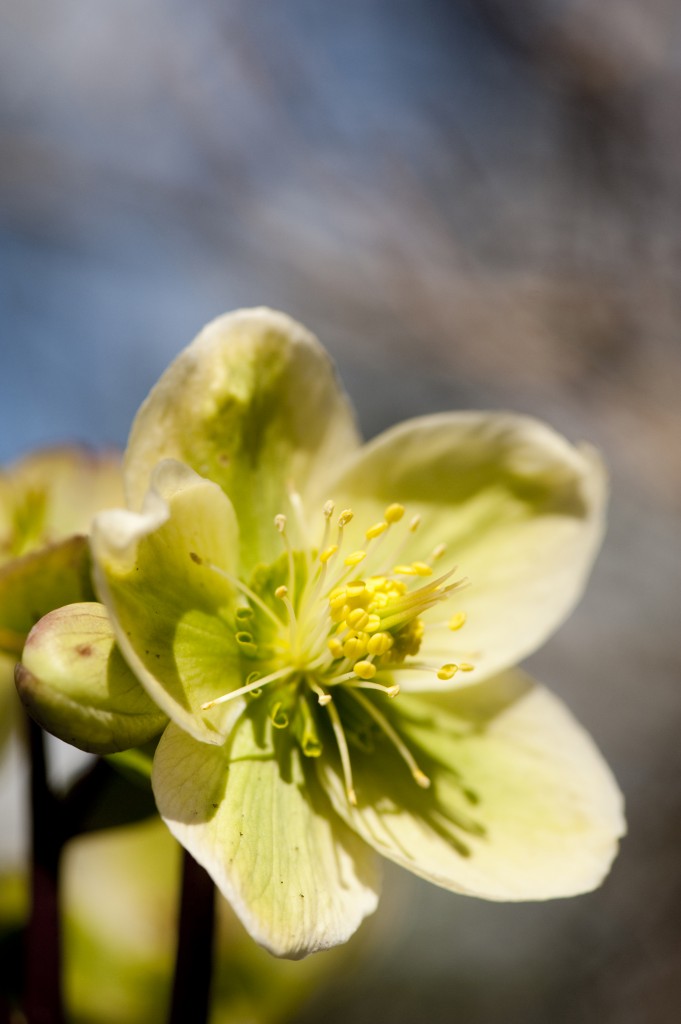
x: 310, y: 623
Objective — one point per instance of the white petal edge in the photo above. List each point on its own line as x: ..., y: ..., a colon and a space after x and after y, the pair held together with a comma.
x: 297, y: 877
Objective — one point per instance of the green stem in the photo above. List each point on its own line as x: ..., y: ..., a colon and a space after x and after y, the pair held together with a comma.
x: 194, y: 962
x: 42, y: 979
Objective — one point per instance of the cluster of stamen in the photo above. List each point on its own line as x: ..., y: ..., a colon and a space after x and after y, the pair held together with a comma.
x: 338, y: 628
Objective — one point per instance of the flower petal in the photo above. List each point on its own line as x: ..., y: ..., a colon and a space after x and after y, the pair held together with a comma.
x: 9, y: 704
x: 521, y: 806
x: 254, y: 404
x: 520, y: 512
x: 253, y: 815
x: 53, y: 493
x: 161, y: 575
x: 37, y: 583
x: 75, y: 683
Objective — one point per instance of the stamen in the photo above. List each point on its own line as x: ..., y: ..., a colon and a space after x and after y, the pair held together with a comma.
x: 364, y: 669
x: 282, y: 593
x: 328, y: 512
x: 323, y: 697
x: 355, y: 558
x: 379, y: 643
x: 247, y: 592
x: 301, y: 523
x: 337, y: 727
x: 280, y: 523
x: 248, y: 688
x: 393, y: 513
x: 389, y: 691
x: 420, y: 778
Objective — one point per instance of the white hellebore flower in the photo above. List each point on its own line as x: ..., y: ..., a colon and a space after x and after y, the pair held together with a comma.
x: 329, y: 631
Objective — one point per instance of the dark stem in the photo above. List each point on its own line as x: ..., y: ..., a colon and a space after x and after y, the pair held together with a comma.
x: 42, y: 978
x: 194, y: 963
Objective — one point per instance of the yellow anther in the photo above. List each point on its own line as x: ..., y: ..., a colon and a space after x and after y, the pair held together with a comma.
x: 394, y: 513
x: 448, y: 671
x: 414, y: 523
x: 422, y: 568
x: 364, y: 670
x: 355, y: 558
x: 465, y: 666
x: 280, y: 522
x: 336, y: 608
x: 376, y: 530
x: 335, y: 646
x: 328, y: 509
x: 339, y: 614
x: 405, y: 570
x: 328, y: 553
x: 457, y: 621
x: 281, y: 592
x: 356, y: 647
x: 379, y: 643
x: 438, y: 552
x: 358, y: 618
x: 346, y: 515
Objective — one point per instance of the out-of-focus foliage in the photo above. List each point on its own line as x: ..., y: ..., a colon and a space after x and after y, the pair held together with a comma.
x: 476, y: 204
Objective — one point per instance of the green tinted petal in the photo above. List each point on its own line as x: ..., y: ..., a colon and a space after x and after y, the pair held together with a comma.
x: 8, y: 698
x: 520, y: 511
x: 521, y: 804
x: 254, y: 404
x: 171, y: 609
x: 75, y: 683
x: 37, y: 583
x: 53, y: 493
x: 298, y: 878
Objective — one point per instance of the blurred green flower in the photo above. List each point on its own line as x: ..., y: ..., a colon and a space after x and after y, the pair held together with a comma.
x: 288, y: 600
x: 47, y: 501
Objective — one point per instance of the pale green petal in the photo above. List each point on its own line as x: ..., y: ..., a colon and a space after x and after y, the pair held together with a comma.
x: 521, y: 806
x: 54, y: 493
x: 39, y: 582
x: 161, y: 575
x: 75, y: 683
x: 520, y: 510
x: 254, y: 404
x: 8, y: 698
x: 298, y: 878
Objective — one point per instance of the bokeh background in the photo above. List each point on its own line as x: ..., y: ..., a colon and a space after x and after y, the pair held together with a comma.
x: 473, y: 203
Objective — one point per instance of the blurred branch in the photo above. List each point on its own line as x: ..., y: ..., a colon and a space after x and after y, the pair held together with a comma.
x: 194, y: 963
x: 43, y: 1002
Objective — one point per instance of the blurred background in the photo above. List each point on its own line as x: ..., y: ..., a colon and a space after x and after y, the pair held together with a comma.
x: 473, y: 204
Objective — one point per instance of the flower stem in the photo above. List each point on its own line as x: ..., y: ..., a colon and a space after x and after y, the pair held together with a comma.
x: 194, y: 962
x: 42, y: 979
